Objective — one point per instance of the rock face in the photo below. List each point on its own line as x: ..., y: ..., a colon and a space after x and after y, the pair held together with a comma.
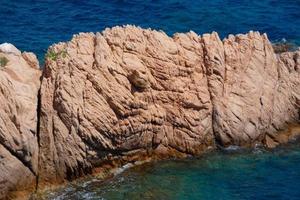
x: 254, y: 92
x: 19, y: 86
x: 129, y: 93
x: 119, y: 95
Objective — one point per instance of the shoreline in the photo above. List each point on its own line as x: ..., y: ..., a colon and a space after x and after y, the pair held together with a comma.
x: 288, y: 136
x: 108, y: 174
x: 107, y: 101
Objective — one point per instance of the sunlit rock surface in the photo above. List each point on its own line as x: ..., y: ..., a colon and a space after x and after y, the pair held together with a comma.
x: 128, y: 94
x: 19, y: 86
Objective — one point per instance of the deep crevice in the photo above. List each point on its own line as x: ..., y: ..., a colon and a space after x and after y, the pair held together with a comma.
x: 208, y: 73
x: 14, y: 154
x: 38, y: 110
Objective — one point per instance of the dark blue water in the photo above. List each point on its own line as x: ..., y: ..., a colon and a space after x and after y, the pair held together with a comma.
x: 246, y: 175
x: 34, y: 25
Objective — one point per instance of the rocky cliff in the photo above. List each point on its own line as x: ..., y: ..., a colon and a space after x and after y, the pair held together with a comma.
x: 130, y: 94
x: 19, y: 86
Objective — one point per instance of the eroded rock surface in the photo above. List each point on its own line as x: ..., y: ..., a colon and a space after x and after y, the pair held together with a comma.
x: 122, y: 93
x: 130, y: 93
x: 19, y: 86
x: 254, y: 91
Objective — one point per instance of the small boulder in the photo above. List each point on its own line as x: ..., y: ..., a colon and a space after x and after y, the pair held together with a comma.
x: 9, y: 49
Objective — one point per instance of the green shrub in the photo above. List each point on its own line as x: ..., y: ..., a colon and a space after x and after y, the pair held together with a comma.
x: 52, y: 55
x: 3, y: 61
x: 63, y: 53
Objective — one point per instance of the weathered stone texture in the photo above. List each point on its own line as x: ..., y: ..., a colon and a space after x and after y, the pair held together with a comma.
x: 130, y: 91
x: 19, y: 86
x: 129, y: 94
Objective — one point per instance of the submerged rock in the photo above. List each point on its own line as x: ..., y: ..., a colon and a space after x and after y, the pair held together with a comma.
x: 19, y: 86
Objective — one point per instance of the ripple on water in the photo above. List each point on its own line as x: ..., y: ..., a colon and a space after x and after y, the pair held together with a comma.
x: 35, y: 25
x: 242, y: 174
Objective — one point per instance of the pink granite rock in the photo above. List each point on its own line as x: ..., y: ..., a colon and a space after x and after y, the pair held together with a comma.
x: 121, y: 93
x: 19, y: 86
x: 254, y: 91
x: 130, y: 93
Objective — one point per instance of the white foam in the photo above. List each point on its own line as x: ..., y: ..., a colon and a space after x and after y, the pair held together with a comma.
x: 123, y: 168
x: 232, y: 148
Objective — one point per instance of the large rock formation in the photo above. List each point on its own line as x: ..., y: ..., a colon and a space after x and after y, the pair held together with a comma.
x: 122, y: 93
x: 19, y: 86
x: 130, y: 93
x: 254, y: 92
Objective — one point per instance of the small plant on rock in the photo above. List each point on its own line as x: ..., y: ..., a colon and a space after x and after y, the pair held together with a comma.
x: 3, y: 61
x: 63, y: 53
x: 51, y: 55
x: 54, y: 55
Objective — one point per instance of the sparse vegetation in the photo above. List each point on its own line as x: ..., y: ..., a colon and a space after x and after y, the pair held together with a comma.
x: 3, y: 61
x: 63, y: 53
x: 52, y: 55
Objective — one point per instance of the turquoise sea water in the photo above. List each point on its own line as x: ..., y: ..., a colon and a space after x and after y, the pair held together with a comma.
x: 228, y: 175
x: 33, y: 25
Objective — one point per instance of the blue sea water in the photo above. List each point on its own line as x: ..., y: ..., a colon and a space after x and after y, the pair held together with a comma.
x: 33, y: 25
x: 233, y: 175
